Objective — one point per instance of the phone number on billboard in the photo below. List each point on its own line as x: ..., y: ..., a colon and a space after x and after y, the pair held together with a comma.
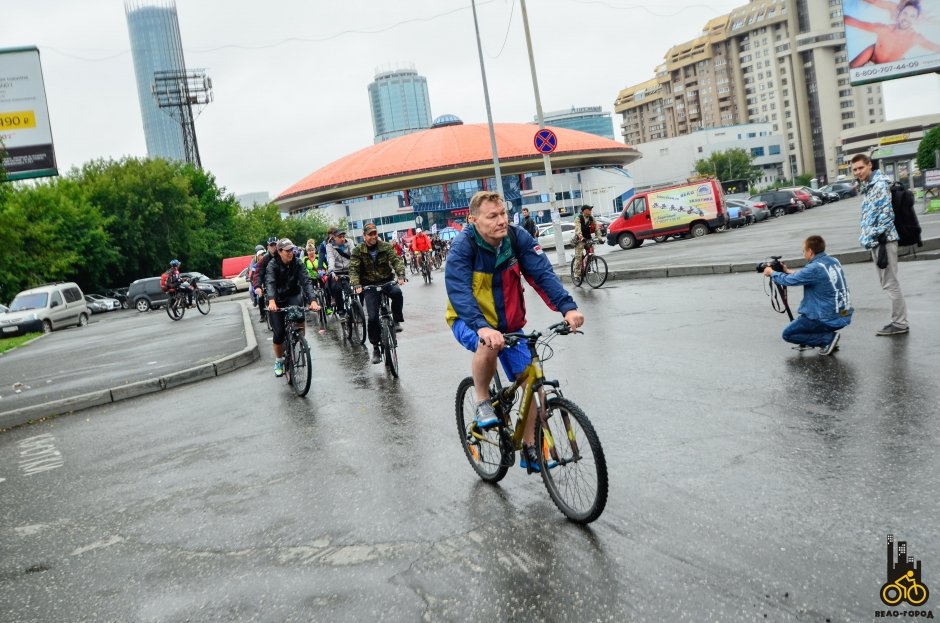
x: 886, y: 69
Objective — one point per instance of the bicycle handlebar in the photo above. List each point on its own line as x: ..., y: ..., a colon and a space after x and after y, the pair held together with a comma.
x: 380, y: 285
x: 559, y: 328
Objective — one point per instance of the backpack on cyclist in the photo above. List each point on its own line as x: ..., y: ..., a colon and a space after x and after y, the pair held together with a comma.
x: 905, y: 219
x: 164, y: 287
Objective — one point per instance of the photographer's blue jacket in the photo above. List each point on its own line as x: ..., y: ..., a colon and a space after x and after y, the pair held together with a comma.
x: 825, y: 293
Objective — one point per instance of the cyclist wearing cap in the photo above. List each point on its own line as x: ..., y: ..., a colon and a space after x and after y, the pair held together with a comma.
x: 373, y: 263
x: 260, y: 277
x: 421, y: 245
x: 287, y: 283
x: 483, y: 276
x: 338, y: 254
x: 585, y: 231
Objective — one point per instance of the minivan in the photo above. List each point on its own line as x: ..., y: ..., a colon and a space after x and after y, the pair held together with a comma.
x: 45, y: 308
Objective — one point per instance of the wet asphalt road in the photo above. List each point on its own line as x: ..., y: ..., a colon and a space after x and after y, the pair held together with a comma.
x: 747, y: 481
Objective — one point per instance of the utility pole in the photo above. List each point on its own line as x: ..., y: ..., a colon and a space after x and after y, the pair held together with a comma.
x: 489, y: 112
x: 556, y: 218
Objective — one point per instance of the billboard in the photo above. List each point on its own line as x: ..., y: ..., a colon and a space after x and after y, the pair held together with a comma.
x: 888, y: 39
x: 682, y: 205
x: 25, y: 133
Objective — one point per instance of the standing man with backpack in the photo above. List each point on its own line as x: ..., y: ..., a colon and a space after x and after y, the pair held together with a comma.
x: 880, y: 237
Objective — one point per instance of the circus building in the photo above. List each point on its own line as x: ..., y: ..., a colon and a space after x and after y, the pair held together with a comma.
x: 426, y: 179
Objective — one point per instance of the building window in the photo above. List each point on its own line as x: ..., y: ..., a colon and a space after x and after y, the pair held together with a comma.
x: 757, y: 152
x: 774, y: 150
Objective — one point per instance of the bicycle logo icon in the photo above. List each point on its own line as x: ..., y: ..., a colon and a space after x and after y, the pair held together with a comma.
x: 906, y: 585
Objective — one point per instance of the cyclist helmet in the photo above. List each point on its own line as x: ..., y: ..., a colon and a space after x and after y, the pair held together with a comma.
x: 259, y: 247
x: 272, y: 240
x: 174, y: 262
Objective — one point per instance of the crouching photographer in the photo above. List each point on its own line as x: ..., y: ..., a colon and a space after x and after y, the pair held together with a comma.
x: 826, y: 306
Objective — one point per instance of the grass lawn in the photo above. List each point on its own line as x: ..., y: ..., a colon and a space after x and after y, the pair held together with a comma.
x: 12, y: 342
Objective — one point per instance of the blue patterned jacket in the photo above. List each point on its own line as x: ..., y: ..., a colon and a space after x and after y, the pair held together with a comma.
x: 877, y: 213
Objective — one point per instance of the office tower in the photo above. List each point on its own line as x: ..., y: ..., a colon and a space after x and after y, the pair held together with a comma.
x: 156, y: 46
x: 400, y: 104
x: 782, y: 62
x: 590, y: 119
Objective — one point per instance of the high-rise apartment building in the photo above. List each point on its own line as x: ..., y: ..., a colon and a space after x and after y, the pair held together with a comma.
x: 590, y: 119
x: 156, y: 46
x: 782, y: 62
x: 400, y: 103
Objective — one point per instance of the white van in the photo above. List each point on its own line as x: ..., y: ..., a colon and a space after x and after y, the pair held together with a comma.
x: 45, y: 308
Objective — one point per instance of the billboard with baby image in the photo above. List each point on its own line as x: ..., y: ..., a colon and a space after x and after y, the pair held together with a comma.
x: 888, y: 39
x: 678, y: 206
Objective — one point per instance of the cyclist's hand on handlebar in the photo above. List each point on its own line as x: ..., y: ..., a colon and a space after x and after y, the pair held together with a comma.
x: 272, y: 305
x: 258, y: 291
x: 314, y: 306
x: 574, y: 318
x: 491, y: 338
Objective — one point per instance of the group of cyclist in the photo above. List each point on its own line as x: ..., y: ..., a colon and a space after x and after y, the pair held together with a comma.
x: 479, y: 311
x: 421, y: 248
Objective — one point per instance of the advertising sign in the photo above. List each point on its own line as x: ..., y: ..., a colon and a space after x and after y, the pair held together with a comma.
x: 678, y: 206
x: 25, y: 133
x: 888, y: 39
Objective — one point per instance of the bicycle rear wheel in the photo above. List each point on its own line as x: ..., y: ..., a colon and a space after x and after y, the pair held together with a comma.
x: 175, y: 308
x: 301, y: 369
x: 574, y: 471
x: 202, y: 302
x: 389, y: 348
x: 576, y: 279
x: 357, y: 322
x: 487, y: 456
x: 596, y: 271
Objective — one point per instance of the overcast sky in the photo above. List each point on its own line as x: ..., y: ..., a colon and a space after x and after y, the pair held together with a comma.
x: 290, y: 77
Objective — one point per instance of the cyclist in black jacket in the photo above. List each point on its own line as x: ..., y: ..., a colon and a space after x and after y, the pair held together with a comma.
x: 258, y: 284
x: 286, y: 282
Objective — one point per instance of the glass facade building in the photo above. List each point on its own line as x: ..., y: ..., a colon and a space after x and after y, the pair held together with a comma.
x: 590, y: 119
x: 400, y: 104
x: 156, y: 46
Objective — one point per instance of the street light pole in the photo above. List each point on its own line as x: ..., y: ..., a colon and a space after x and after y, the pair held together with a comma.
x: 486, y: 97
x: 556, y: 218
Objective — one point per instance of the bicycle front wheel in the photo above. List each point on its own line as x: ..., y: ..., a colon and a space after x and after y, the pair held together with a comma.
x: 572, y: 462
x: 357, y: 322
x: 575, y: 277
x: 487, y: 456
x: 175, y: 308
x: 322, y: 318
x: 596, y: 271
x: 301, y: 368
x: 202, y: 302
x: 388, y: 346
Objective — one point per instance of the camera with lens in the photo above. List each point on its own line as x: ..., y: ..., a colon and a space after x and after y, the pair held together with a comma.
x: 773, y: 262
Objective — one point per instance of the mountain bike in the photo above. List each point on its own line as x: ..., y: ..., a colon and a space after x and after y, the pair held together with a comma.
x: 437, y: 260
x: 570, y: 458
x: 593, y: 269
x: 322, y: 317
x: 388, y: 340
x: 426, y: 267
x: 354, y: 324
x: 177, y: 303
x: 298, y: 368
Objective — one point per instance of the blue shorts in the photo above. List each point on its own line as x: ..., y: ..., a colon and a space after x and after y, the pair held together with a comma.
x: 515, y: 359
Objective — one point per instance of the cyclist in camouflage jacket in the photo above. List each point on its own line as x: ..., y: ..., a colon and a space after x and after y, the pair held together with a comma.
x: 372, y: 263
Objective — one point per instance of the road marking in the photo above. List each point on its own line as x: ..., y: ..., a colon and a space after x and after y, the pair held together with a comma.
x: 38, y: 454
x: 98, y: 545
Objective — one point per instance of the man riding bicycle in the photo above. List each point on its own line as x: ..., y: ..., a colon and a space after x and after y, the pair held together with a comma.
x: 585, y: 231
x: 483, y: 276
x: 172, y: 282
x: 374, y: 262
x: 259, y: 282
x: 421, y: 246
x: 286, y: 283
x: 338, y: 254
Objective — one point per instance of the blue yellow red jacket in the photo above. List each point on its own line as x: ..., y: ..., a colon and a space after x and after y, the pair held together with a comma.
x: 484, y: 285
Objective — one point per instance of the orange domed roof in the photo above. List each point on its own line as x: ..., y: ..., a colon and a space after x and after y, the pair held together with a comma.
x: 450, y: 153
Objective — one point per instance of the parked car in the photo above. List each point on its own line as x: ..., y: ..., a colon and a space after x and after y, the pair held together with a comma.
x: 145, y: 294
x: 241, y: 281
x: 547, y: 236
x: 759, y: 211
x: 604, y: 222
x: 780, y: 202
x: 45, y: 308
x: 109, y: 303
x: 809, y: 201
x: 821, y: 195
x: 220, y: 286
x: 120, y: 294
x: 843, y: 189
x: 737, y: 217
x: 95, y: 306
x: 3, y: 309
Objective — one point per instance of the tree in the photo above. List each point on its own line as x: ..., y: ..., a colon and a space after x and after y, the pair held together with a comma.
x: 926, y: 151
x: 735, y: 163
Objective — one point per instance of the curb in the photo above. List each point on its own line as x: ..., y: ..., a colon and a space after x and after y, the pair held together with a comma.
x: 226, y: 364
x: 926, y: 252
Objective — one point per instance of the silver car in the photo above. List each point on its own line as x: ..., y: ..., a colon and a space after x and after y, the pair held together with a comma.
x: 45, y: 308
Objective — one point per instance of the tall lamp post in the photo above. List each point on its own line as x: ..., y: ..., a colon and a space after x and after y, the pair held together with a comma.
x: 486, y: 97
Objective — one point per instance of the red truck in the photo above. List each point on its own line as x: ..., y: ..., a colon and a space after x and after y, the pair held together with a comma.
x: 231, y: 266
x: 691, y: 209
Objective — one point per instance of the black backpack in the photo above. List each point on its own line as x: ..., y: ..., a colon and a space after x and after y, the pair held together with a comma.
x: 905, y: 219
